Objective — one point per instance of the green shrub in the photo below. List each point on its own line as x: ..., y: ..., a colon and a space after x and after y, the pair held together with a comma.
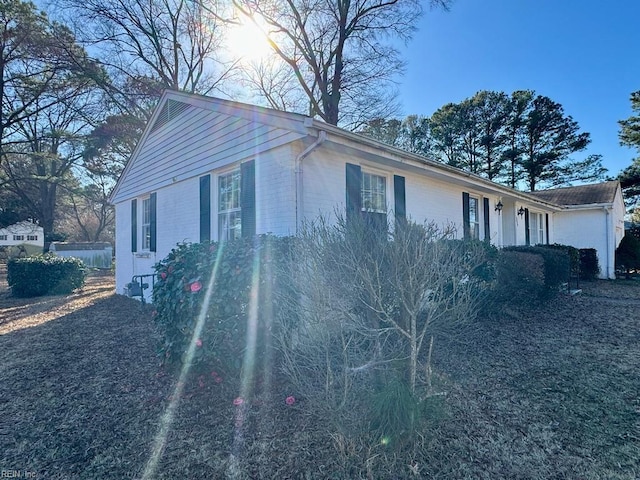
x: 628, y: 254
x: 44, y: 274
x: 228, y: 327
x: 589, y: 266
x: 557, y: 264
x: 395, y: 410
x: 519, y: 278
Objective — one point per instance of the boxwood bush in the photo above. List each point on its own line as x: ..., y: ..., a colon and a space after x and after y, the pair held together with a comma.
x: 44, y: 274
x: 589, y: 266
x: 557, y: 265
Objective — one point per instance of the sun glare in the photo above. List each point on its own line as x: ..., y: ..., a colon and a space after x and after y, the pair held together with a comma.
x: 248, y: 40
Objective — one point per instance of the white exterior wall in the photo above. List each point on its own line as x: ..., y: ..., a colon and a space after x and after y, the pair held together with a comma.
x: 589, y: 228
x: 275, y: 192
x: 178, y: 213
x: 427, y: 199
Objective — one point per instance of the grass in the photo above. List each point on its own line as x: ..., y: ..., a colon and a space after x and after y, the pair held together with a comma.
x: 546, y: 394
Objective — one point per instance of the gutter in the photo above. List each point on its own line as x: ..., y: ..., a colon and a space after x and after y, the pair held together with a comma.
x: 322, y: 137
x: 408, y: 158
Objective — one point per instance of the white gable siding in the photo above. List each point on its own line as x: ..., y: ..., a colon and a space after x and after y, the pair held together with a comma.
x: 196, y: 142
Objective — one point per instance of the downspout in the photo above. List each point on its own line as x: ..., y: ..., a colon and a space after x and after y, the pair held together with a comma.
x: 322, y: 136
x: 608, y: 231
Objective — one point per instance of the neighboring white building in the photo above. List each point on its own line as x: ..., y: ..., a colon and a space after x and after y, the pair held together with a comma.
x: 22, y: 233
x: 209, y: 169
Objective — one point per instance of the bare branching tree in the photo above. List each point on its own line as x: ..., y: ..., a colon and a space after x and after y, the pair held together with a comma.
x: 340, y: 53
x: 150, y: 45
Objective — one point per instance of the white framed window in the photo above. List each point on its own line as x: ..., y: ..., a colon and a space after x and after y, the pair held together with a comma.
x: 3, y: 237
x: 536, y: 228
x: 474, y: 217
x: 18, y: 238
x: 374, y: 193
x: 32, y: 238
x: 146, y: 224
x: 229, y: 212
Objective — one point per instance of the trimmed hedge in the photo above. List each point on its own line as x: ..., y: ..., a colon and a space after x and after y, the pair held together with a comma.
x: 520, y: 279
x: 44, y: 274
x: 589, y: 266
x: 557, y: 264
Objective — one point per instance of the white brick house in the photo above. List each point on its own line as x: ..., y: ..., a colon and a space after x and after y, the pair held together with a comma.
x: 207, y: 168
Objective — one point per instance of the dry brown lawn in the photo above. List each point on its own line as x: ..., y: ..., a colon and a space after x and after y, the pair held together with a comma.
x: 553, y: 393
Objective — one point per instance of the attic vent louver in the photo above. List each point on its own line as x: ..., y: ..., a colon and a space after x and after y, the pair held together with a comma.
x: 170, y: 110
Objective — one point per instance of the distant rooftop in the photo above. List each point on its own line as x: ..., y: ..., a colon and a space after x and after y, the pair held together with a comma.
x: 604, y: 192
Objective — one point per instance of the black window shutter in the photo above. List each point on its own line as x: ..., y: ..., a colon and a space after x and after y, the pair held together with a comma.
x: 487, y: 226
x: 248, y: 198
x: 134, y: 225
x: 205, y: 208
x: 399, y: 200
x: 466, y: 225
x: 354, y: 186
x: 546, y: 226
x: 527, y: 233
x: 153, y: 224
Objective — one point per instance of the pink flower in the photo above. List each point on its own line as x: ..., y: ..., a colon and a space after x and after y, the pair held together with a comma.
x: 290, y: 400
x: 163, y: 275
x: 218, y: 379
x: 201, y: 381
x: 214, y: 374
x: 196, y: 286
x: 238, y: 401
x: 198, y: 343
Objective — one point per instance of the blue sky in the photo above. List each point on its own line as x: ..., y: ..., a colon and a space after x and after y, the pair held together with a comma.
x: 584, y: 54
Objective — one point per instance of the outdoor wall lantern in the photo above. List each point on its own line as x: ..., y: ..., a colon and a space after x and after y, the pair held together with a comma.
x: 521, y: 211
x: 499, y: 207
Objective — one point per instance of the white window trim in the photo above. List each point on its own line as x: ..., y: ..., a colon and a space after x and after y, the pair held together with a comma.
x: 145, y: 238
x: 215, y: 195
x: 474, y: 226
x: 537, y: 236
x: 387, y: 186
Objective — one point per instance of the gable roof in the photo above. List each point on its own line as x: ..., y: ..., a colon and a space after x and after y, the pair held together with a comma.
x: 189, y: 135
x: 597, y: 193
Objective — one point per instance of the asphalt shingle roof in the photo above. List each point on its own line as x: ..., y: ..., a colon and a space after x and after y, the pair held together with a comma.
x: 604, y: 192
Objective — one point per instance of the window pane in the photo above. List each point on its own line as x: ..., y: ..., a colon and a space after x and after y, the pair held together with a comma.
x: 229, y: 191
x: 374, y: 194
x: 474, y: 219
x: 229, y: 217
x: 229, y: 226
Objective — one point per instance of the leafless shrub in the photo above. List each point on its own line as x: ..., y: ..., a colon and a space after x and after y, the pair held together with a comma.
x: 363, y: 305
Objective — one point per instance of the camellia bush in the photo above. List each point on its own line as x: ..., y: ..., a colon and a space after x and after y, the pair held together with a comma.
x: 214, y: 307
x: 45, y: 274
